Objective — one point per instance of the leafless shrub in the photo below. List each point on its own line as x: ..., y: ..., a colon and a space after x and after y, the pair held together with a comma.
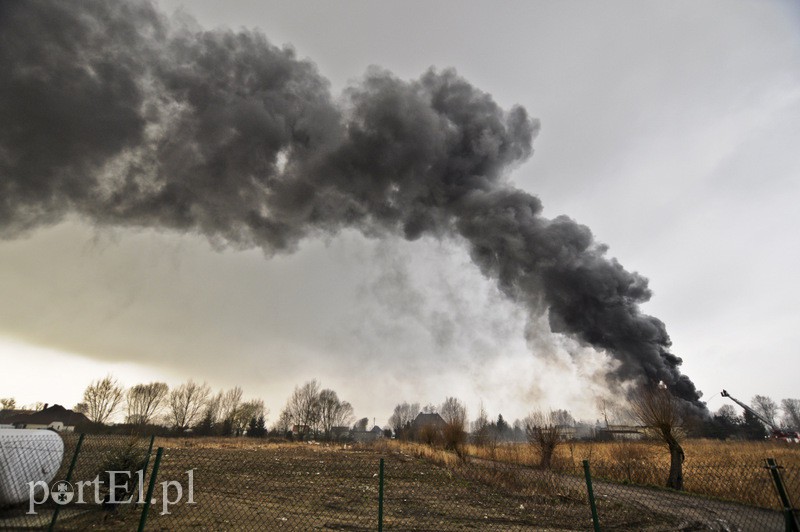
x: 544, y: 434
x: 658, y: 410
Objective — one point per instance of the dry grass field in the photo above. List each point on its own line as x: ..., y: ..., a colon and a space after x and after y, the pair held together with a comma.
x: 246, y: 484
x: 701, y: 451
x: 730, y: 470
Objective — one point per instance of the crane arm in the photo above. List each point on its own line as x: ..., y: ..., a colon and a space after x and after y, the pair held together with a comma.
x: 747, y: 408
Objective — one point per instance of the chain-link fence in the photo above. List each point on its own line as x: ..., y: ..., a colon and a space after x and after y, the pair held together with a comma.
x: 47, y: 478
x: 62, y: 482
x: 715, y: 497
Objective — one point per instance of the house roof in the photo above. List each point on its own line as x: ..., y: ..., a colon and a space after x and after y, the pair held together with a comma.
x: 7, y: 414
x: 55, y: 413
x: 428, y: 419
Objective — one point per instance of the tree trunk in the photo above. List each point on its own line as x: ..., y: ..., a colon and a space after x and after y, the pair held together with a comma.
x: 675, y: 480
x: 547, y: 455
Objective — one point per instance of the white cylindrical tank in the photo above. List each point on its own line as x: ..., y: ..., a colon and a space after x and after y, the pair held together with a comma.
x: 26, y: 456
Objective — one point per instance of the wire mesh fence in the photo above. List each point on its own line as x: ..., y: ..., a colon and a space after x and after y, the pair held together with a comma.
x: 246, y: 484
x: 727, y: 497
x: 47, y: 478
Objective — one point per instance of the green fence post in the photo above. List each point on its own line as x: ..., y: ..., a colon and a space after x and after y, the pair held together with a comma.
x: 147, y: 458
x: 595, y: 520
x: 788, y: 512
x: 68, y: 479
x: 380, y: 497
x: 149, y: 450
x: 148, y: 499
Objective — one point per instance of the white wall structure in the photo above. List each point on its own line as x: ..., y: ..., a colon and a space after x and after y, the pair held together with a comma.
x: 26, y: 456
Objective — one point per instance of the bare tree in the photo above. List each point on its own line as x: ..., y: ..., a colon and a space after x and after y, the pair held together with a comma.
x: 37, y: 406
x: 658, y: 410
x: 209, y: 423
x: 544, y: 433
x: 283, y: 423
x: 603, y: 408
x: 728, y: 413
x: 401, y: 419
x: 766, y: 408
x: 454, y: 413
x: 498, y: 431
x: 8, y: 403
x: 480, y: 428
x: 563, y: 418
x: 223, y: 410
x: 343, y: 415
x: 229, y: 403
x: 333, y: 412
x: 144, y: 402
x: 102, y: 398
x: 453, y: 410
x: 791, y: 413
x: 361, y: 424
x: 213, y: 410
x: 247, y: 411
x: 303, y: 407
x: 186, y: 402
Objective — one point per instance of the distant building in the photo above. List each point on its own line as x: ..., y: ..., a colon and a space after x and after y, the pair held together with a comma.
x: 365, y: 436
x: 566, y: 432
x: 8, y: 414
x: 621, y: 432
x: 55, y: 417
x: 302, y: 431
x: 340, y: 433
x: 428, y: 420
x: 584, y: 431
x: 428, y: 428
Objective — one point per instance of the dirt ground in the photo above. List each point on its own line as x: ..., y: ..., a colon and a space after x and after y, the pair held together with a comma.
x: 239, y: 485
x: 313, y: 487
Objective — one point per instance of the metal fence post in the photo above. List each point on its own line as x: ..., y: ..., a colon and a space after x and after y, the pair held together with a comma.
x: 595, y: 520
x: 68, y: 479
x: 788, y: 512
x: 380, y: 497
x: 150, y: 488
x: 147, y: 458
x: 150, y: 450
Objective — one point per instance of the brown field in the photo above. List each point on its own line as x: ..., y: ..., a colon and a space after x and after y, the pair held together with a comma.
x: 245, y: 484
x: 700, y: 451
x: 729, y: 470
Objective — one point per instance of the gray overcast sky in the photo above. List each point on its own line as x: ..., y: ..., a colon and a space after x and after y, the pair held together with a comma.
x: 670, y: 129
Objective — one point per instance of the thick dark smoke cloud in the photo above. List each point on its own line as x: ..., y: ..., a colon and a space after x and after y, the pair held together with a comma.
x: 111, y: 111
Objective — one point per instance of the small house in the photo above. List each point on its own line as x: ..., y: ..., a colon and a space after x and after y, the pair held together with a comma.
x: 55, y: 417
x: 365, y: 436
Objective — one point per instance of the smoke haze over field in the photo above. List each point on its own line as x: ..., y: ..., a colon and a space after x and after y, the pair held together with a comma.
x: 118, y: 116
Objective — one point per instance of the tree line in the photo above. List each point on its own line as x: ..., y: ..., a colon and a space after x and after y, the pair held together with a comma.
x: 312, y: 411
x: 192, y: 407
x: 651, y: 411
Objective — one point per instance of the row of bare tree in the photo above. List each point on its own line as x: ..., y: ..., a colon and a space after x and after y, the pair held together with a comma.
x: 786, y: 415
x: 189, y: 405
x: 315, y: 412
x: 652, y: 407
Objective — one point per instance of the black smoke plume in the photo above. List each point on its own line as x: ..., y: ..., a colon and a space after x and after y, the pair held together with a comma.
x: 111, y: 111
